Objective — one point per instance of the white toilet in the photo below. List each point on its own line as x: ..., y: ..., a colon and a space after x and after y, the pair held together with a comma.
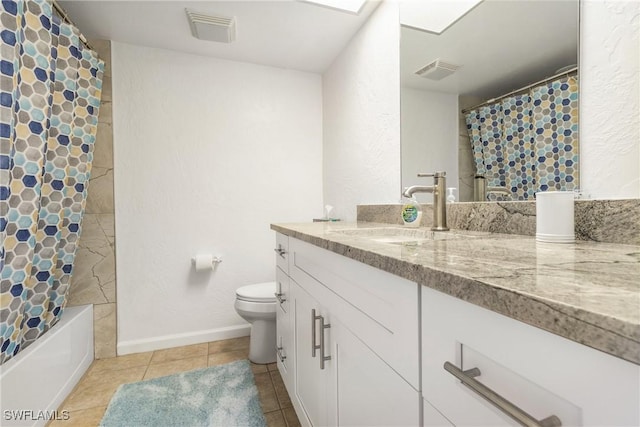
x: 257, y: 305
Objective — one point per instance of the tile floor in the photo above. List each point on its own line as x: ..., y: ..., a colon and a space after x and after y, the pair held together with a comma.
x: 88, y: 401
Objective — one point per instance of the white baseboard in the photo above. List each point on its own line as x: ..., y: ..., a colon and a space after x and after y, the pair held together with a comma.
x: 177, y: 340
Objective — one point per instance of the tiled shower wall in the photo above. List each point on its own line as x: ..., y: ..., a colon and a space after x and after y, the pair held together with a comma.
x: 94, y: 272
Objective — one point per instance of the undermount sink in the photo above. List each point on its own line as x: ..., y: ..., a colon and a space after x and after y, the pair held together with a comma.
x: 400, y: 235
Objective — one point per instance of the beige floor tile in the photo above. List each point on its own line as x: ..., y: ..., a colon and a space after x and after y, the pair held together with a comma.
x: 275, y: 419
x: 232, y: 344
x: 268, y: 398
x: 83, y: 418
x: 177, y: 353
x: 272, y: 367
x: 156, y: 370
x: 97, y: 388
x: 257, y: 369
x: 291, y: 417
x: 122, y: 362
x: 228, y: 357
x: 281, y: 390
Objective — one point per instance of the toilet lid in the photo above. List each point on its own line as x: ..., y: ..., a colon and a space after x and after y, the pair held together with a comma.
x: 260, y: 292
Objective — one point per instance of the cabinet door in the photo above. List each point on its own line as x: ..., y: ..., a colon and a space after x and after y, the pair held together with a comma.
x: 365, y: 391
x: 310, y: 381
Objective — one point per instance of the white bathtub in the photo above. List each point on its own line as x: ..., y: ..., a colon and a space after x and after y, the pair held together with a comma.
x: 36, y: 381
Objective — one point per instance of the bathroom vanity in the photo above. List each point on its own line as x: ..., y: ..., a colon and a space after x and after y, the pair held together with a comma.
x: 381, y: 325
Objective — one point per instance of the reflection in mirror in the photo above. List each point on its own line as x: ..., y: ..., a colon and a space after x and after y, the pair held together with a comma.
x: 493, y: 99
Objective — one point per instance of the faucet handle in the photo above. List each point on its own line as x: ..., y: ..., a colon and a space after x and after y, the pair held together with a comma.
x: 435, y: 174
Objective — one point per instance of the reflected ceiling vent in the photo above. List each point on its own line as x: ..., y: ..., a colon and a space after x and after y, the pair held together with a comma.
x: 437, y: 70
x: 211, y: 27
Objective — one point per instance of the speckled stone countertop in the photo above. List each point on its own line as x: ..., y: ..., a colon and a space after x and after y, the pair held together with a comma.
x: 587, y: 292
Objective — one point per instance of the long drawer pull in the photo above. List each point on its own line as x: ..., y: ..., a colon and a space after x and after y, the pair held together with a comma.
x: 323, y: 358
x: 498, y: 401
x: 314, y: 347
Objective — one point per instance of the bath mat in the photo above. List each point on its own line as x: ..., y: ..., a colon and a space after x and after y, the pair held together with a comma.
x: 224, y: 395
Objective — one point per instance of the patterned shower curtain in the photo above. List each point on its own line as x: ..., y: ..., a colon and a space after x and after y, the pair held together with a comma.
x: 528, y: 142
x: 50, y: 88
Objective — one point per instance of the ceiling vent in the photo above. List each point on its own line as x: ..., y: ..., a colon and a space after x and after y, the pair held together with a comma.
x: 212, y: 28
x: 437, y: 70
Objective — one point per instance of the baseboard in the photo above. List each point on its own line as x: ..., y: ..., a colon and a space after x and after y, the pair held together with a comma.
x: 178, y: 340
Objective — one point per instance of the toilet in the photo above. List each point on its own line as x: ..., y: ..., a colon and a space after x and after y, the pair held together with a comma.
x: 257, y: 305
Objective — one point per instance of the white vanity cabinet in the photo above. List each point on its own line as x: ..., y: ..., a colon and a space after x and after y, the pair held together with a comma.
x: 541, y: 373
x: 365, y: 323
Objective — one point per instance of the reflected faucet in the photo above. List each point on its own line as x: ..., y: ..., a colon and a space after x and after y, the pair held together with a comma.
x: 439, y: 198
x: 480, y: 189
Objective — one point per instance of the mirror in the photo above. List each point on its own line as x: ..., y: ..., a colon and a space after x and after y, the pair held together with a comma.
x: 499, y: 47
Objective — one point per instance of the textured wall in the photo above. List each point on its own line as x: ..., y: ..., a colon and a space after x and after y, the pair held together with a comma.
x: 429, y: 137
x: 94, y: 273
x: 209, y: 153
x: 361, y: 123
x: 610, y: 97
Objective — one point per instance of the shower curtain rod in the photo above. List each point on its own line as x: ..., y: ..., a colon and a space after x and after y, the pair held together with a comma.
x: 63, y: 14
x: 555, y: 76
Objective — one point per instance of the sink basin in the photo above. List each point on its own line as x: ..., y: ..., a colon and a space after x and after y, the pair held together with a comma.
x: 400, y: 235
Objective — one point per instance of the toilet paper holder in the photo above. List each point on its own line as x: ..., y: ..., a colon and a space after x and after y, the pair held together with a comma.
x: 215, y: 260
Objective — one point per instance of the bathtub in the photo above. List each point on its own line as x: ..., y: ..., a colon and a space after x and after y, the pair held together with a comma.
x: 34, y: 383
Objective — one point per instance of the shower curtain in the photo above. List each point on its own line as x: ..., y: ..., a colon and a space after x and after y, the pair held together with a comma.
x: 50, y: 87
x: 528, y: 142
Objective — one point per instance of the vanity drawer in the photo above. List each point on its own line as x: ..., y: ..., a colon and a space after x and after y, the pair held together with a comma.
x: 539, y: 372
x: 282, y: 252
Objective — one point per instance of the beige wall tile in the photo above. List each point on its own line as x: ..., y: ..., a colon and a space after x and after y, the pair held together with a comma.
x: 156, y: 370
x: 106, y: 88
x: 104, y: 324
x: 105, y: 113
x: 100, y: 191
x: 176, y: 353
x: 103, y: 148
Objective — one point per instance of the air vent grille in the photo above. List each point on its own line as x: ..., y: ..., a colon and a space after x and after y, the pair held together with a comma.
x: 211, y: 27
x: 437, y: 70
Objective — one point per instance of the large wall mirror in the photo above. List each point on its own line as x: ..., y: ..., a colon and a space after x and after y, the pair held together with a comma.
x: 491, y: 97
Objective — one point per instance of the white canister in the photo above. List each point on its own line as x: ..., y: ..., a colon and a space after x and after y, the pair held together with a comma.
x: 554, y: 217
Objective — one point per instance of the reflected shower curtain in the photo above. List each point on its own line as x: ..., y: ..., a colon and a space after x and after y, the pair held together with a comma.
x: 528, y: 142
x: 50, y: 88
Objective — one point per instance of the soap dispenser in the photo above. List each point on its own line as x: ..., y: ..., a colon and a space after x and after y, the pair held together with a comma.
x: 411, y: 212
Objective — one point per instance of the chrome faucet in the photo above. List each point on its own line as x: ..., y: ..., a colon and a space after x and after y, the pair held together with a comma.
x: 439, y: 198
x: 480, y: 189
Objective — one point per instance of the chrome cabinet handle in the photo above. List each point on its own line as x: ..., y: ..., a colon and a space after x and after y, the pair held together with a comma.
x: 279, y: 294
x: 314, y: 347
x: 280, y: 251
x: 280, y: 352
x: 523, y: 418
x: 323, y: 358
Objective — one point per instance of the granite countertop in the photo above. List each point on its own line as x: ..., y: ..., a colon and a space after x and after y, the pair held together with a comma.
x: 587, y: 292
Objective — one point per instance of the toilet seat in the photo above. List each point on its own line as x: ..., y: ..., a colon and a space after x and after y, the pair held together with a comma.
x: 258, y: 293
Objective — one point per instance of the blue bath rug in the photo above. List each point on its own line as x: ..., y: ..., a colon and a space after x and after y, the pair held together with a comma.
x: 224, y: 395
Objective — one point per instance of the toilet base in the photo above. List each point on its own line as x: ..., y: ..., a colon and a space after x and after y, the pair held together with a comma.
x: 262, y: 342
